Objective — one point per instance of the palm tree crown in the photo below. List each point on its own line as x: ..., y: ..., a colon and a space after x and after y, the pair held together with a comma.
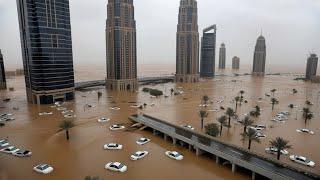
x: 202, y: 114
x: 251, y: 135
x: 280, y: 144
x: 65, y: 125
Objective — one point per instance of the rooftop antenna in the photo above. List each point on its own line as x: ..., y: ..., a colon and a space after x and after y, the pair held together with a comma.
x: 261, y: 32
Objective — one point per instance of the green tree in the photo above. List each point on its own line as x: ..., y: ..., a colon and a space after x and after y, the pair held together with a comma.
x: 256, y: 112
x: 66, y: 125
x: 205, y: 99
x: 223, y: 122
x: 251, y: 136
x: 230, y: 113
x: 274, y: 101
x: 294, y: 91
x: 280, y: 144
x: 308, y: 103
x: 241, y: 96
x: 171, y: 91
x: 212, y: 129
x: 247, y: 122
x: 307, y: 115
x: 155, y: 92
x: 237, y: 99
x: 99, y: 95
x: 202, y: 114
x: 291, y: 106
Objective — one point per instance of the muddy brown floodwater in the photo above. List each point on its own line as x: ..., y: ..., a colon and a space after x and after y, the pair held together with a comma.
x: 84, y: 155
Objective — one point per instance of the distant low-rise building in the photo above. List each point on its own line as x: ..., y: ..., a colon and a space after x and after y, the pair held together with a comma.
x: 312, y: 65
x: 3, y: 82
x: 235, y: 62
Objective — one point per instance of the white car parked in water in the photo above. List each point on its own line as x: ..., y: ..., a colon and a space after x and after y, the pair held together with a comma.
x: 116, y: 166
x: 4, y: 143
x: 139, y: 155
x: 174, y: 155
x: 116, y: 127
x: 43, y: 168
x: 274, y: 150
x: 22, y: 153
x: 302, y: 160
x: 143, y: 141
x: 9, y: 150
x: 188, y: 127
x: 258, y: 127
x: 103, y: 120
x: 306, y: 131
x: 112, y: 146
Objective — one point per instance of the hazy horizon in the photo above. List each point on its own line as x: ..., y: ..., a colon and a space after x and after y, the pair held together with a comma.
x: 291, y: 29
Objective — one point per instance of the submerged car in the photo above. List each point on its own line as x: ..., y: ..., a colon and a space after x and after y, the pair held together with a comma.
x: 143, y: 141
x: 139, y: 155
x: 103, y: 120
x: 307, y: 131
x: 116, y: 127
x: 22, y: 153
x: 274, y: 150
x: 45, y: 113
x: 174, y: 155
x: 258, y: 127
x: 43, y: 168
x: 9, y: 150
x: 116, y: 166
x: 112, y: 146
x: 115, y: 108
x: 70, y: 116
x: 188, y: 127
x: 302, y: 160
x: 260, y: 135
x: 4, y: 143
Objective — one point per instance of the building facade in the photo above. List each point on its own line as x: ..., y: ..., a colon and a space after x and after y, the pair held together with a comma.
x: 121, y: 46
x: 208, y: 52
x: 222, y: 56
x: 312, y: 65
x: 259, y: 58
x: 45, y: 34
x: 187, y: 53
x: 235, y: 62
x: 3, y: 82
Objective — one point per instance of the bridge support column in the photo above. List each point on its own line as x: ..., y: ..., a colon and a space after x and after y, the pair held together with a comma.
x: 217, y: 160
x: 165, y: 137
x: 190, y: 147
x: 198, y: 151
x: 253, y: 177
x: 154, y: 132
x: 174, y: 141
x: 234, y: 168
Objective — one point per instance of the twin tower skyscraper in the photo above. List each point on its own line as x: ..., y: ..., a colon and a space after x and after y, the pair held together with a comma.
x: 46, y: 43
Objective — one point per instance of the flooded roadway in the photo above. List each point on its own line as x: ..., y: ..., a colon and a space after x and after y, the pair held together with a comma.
x: 84, y: 155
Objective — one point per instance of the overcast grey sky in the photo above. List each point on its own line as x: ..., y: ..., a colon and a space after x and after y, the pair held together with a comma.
x: 291, y: 28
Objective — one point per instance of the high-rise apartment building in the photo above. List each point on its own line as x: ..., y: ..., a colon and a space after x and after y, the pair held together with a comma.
x: 259, y: 59
x: 208, y: 52
x: 3, y: 82
x: 121, y: 46
x: 187, y: 53
x: 312, y: 65
x: 222, y: 56
x: 235, y: 62
x: 46, y: 42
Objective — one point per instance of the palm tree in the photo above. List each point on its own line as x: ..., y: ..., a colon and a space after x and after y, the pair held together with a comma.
x: 241, y: 96
x: 202, y: 114
x: 223, y: 122
x: 273, y: 91
x: 212, y: 129
x: 274, y: 101
x: 171, y: 91
x: 294, y: 91
x: 307, y: 114
x: 251, y: 136
x: 246, y: 122
x: 205, y: 99
x: 308, y: 103
x: 256, y: 112
x: 230, y: 113
x: 66, y: 125
x: 99, y: 95
x: 280, y: 144
x: 291, y: 106
x: 237, y: 99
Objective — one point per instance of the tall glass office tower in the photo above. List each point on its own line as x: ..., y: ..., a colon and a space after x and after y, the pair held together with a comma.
x: 208, y: 52
x: 121, y: 46
x: 45, y: 34
x: 187, y: 60
x: 3, y: 84
x: 259, y: 58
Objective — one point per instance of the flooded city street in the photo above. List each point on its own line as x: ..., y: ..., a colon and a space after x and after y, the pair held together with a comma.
x: 84, y: 155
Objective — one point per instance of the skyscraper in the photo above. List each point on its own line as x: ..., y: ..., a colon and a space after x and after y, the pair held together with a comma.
x: 208, y: 52
x: 187, y: 60
x: 222, y: 56
x: 259, y: 59
x: 312, y: 65
x: 45, y: 34
x: 235, y: 62
x: 121, y: 46
x: 3, y: 83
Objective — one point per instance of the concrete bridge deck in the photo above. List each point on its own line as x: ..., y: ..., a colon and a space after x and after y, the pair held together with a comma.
x: 237, y: 156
